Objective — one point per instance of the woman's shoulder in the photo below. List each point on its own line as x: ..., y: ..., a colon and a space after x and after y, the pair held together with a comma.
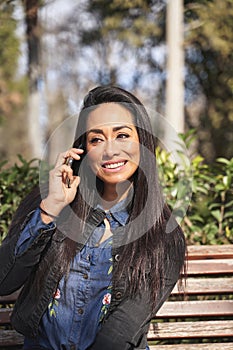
x: 29, y: 203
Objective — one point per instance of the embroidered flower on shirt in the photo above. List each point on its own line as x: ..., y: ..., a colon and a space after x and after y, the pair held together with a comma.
x: 105, y: 304
x: 57, y: 294
x: 107, y: 299
x: 54, y: 303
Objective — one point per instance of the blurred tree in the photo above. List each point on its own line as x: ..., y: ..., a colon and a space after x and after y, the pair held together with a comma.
x: 24, y: 119
x: 209, y: 79
x: 12, y: 87
x: 175, y: 69
x: 140, y: 25
x: 110, y: 42
x: 9, y: 53
x: 35, y: 134
x: 123, y: 42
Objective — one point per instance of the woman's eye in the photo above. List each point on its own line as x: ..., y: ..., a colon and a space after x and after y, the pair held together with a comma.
x: 122, y: 136
x: 95, y: 140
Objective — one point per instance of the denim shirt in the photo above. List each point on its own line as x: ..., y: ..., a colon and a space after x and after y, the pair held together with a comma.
x: 74, y: 314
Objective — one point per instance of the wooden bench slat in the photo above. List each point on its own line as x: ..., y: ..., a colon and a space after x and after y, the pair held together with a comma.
x: 11, y: 298
x: 209, y: 346
x: 203, y: 308
x: 5, y: 314
x: 203, y: 267
x: 210, y: 252
x: 199, y: 329
x: 207, y: 286
x: 10, y: 338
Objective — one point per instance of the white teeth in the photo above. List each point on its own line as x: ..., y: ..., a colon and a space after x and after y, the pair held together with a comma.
x: 113, y: 166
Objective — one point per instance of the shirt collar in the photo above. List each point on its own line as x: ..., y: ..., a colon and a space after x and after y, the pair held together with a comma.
x: 120, y: 211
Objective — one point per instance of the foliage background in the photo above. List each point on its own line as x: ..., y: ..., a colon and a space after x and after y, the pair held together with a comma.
x: 209, y: 219
x: 51, y: 56
x: 73, y: 46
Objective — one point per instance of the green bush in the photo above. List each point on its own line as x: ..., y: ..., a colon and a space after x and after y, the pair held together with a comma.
x: 206, y: 218
x: 209, y: 215
x: 15, y: 183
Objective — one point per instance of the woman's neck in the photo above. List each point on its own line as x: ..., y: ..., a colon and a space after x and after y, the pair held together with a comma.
x: 115, y: 193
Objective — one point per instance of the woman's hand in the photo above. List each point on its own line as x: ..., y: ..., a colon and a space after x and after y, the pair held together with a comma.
x: 60, y: 195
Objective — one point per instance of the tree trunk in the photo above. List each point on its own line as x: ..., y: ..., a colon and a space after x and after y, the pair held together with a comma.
x: 34, y: 75
x: 175, y: 68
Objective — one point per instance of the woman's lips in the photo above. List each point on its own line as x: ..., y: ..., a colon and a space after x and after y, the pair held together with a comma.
x: 111, y: 166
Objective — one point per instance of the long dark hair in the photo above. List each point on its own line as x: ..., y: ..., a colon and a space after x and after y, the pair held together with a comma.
x: 147, y: 248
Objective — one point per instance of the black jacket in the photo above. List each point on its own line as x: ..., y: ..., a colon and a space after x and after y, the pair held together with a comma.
x: 127, y: 321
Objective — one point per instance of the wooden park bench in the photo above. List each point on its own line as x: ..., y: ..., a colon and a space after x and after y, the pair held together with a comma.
x: 203, y: 317
x: 8, y: 336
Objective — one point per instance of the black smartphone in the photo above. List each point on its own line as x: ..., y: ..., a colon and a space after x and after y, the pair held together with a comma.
x: 75, y: 164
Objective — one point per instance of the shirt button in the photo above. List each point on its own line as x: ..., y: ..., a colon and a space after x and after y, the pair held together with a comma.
x: 117, y: 257
x: 80, y: 311
x: 85, y: 276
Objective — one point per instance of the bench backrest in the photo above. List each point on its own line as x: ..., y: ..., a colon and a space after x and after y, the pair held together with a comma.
x: 8, y: 337
x: 205, y: 314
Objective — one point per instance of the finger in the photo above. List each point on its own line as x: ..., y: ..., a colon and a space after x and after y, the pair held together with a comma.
x: 76, y: 150
x: 75, y: 182
x: 61, y: 171
x: 67, y: 173
x: 68, y: 179
x: 71, y: 153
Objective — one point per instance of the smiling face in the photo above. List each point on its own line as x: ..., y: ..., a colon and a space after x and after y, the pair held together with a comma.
x: 112, y: 143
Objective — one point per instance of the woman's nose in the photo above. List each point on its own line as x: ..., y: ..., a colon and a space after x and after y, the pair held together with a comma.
x: 111, y: 149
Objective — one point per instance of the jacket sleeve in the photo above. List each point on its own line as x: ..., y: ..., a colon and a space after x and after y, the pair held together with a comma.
x: 15, y: 268
x: 127, y: 325
x: 31, y: 231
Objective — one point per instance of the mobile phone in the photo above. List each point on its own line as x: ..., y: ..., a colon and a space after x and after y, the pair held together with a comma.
x: 75, y: 164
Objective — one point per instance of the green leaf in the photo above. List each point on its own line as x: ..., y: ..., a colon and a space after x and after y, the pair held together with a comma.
x: 227, y: 180
x: 215, y: 205
x: 229, y: 204
x: 220, y: 188
x: 197, y: 218
x: 229, y: 214
x: 197, y: 160
x: 4, y: 208
x: 216, y: 214
x: 223, y: 160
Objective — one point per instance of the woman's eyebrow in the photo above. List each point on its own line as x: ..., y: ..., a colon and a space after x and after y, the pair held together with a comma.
x: 122, y: 127
x: 116, y: 128
x: 95, y: 131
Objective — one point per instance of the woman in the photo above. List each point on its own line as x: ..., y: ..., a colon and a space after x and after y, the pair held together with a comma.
x: 93, y: 250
